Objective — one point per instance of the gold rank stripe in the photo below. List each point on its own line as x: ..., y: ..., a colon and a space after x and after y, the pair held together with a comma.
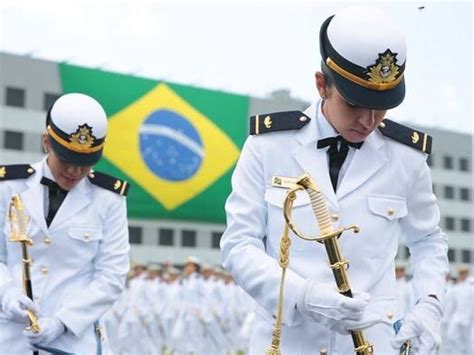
x: 425, y: 142
x: 69, y: 146
x: 124, y: 185
x: 362, y: 82
x: 257, y: 128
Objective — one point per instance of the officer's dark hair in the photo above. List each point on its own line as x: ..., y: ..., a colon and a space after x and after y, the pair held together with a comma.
x: 327, y: 75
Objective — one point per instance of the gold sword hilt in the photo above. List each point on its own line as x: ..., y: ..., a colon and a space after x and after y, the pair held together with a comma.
x: 329, y: 237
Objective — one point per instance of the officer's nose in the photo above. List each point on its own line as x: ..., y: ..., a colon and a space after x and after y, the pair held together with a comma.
x: 74, y: 170
x: 367, y: 118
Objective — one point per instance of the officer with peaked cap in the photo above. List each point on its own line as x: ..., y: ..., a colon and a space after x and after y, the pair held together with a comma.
x: 371, y: 171
x: 78, y: 227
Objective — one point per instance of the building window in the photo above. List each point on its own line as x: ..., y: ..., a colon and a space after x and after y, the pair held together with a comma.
x: 188, y: 238
x: 464, y: 164
x: 466, y: 256
x: 465, y: 194
x: 13, y: 140
x: 429, y: 161
x: 15, y: 97
x: 451, y: 255
x: 449, y: 223
x: 449, y: 192
x: 466, y: 225
x: 166, y: 236
x: 448, y: 162
x: 48, y: 100
x: 135, y: 234
x: 216, y: 239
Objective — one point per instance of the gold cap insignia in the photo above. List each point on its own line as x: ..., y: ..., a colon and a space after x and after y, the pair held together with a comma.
x: 3, y: 172
x: 385, y: 69
x: 268, y: 122
x: 83, y: 137
x: 415, y: 137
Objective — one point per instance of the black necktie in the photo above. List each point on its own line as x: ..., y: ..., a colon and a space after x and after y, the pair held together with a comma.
x: 56, y: 198
x: 336, y: 156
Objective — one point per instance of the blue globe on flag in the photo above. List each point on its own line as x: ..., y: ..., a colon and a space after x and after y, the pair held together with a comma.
x: 170, y: 146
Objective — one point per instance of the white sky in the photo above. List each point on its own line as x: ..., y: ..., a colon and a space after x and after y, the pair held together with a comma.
x: 246, y: 47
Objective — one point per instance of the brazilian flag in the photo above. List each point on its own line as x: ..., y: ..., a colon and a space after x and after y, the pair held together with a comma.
x: 176, y: 144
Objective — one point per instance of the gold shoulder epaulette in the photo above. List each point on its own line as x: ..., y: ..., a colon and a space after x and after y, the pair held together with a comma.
x: 277, y: 121
x: 109, y: 182
x: 17, y: 171
x: 406, y: 135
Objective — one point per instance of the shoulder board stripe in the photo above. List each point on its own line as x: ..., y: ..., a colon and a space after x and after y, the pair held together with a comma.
x: 406, y: 135
x: 16, y: 171
x: 277, y: 121
x: 109, y: 182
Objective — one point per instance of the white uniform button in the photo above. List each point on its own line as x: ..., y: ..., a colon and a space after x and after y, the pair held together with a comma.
x: 44, y: 270
x: 47, y: 240
x: 303, y: 118
x: 389, y: 315
x: 390, y: 211
x: 323, y: 351
x: 87, y: 236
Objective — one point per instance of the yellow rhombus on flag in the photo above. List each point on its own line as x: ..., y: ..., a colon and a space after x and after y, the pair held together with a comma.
x: 218, y: 152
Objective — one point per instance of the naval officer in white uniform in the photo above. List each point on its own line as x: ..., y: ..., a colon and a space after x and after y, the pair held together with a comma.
x: 78, y: 226
x: 372, y: 172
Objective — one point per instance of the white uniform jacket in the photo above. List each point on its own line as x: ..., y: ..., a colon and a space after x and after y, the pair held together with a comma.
x: 79, y: 263
x: 386, y: 190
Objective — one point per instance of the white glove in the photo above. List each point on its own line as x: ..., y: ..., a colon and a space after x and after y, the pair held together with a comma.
x: 421, y: 327
x: 15, y: 303
x: 369, y: 318
x: 50, y: 329
x: 323, y: 304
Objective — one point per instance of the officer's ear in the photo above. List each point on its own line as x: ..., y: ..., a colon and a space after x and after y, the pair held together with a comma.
x: 45, y: 142
x: 321, y: 84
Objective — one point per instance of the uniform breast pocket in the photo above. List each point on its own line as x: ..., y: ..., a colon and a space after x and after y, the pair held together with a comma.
x: 389, y: 207
x: 302, y: 217
x: 85, y: 234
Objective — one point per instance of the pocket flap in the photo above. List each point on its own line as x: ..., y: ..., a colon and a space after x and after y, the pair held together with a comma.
x: 276, y: 197
x: 86, y: 234
x: 387, y: 206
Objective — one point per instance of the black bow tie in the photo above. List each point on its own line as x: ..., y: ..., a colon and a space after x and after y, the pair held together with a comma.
x: 326, y: 142
x: 337, y: 155
x: 56, y: 198
x: 52, y: 185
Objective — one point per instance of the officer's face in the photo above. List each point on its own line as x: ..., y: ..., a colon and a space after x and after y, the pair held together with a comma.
x: 351, y: 122
x: 66, y: 175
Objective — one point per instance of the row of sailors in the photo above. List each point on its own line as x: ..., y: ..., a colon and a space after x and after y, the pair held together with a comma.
x: 202, y: 311
x: 457, y: 326
x: 199, y: 310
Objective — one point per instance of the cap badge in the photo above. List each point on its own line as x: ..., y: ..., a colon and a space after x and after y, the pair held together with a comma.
x: 83, y: 137
x: 385, y: 68
x: 415, y: 137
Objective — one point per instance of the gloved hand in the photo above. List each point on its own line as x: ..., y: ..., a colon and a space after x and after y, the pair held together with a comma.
x: 421, y: 326
x: 323, y: 304
x: 50, y: 329
x: 368, y: 319
x: 15, y: 303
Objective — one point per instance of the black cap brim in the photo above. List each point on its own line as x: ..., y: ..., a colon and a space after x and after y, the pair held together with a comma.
x: 73, y: 158
x: 372, y: 99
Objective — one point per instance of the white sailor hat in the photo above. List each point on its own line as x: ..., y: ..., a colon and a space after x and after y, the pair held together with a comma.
x: 77, y: 126
x: 366, y: 55
x: 192, y: 260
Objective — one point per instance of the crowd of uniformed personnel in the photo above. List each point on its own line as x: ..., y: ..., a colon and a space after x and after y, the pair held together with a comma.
x: 165, y: 310
x: 200, y: 310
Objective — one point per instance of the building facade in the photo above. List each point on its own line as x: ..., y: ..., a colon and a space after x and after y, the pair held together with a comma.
x: 29, y: 86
